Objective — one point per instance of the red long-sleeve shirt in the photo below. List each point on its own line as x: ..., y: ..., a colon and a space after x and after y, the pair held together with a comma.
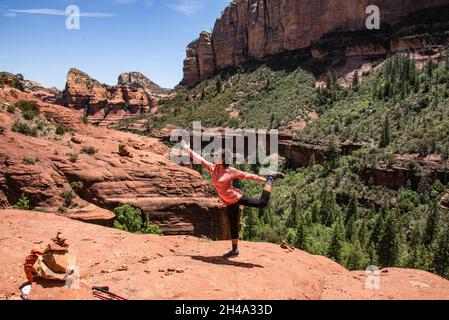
x: 222, y: 178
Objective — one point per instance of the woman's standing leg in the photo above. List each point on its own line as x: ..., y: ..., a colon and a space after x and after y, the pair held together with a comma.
x: 233, y: 216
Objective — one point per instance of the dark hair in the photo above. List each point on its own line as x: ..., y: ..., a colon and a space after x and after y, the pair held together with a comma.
x: 226, y: 156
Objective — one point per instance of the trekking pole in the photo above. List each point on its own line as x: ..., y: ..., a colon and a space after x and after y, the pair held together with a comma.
x: 105, y: 290
x: 101, y: 297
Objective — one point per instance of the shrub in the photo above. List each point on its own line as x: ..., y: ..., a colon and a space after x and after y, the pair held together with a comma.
x: 77, y: 185
x: 61, y: 129
x: 85, y: 119
x: 10, y: 108
x: 29, y: 161
x: 24, y: 128
x: 129, y: 218
x: 23, y: 203
x: 2, y: 130
x: 48, y: 115
x: 88, y: 150
x: 29, y: 109
x: 67, y: 196
x: 73, y: 157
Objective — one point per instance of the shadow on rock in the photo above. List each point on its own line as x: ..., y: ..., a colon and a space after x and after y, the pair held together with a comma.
x: 224, y: 261
x: 50, y: 283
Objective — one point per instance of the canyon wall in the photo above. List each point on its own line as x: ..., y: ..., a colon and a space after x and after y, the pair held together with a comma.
x: 58, y: 174
x: 254, y: 29
x: 133, y: 95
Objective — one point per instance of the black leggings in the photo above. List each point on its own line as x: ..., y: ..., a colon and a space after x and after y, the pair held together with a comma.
x: 233, y: 210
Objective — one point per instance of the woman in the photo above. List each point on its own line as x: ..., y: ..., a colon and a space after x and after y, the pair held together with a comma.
x: 222, y: 176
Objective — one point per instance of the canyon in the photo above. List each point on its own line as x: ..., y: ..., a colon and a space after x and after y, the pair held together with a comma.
x: 74, y: 179
x: 47, y: 166
x: 251, y: 30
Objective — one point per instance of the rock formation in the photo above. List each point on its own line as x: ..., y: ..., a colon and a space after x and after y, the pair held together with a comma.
x: 184, y: 267
x: 50, y: 95
x: 255, y: 29
x: 48, y: 167
x: 104, y: 104
x: 138, y: 80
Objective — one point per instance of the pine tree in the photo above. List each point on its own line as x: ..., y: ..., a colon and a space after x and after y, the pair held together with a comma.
x: 351, y: 230
x: 315, y: 210
x: 329, y: 81
x: 355, y: 81
x: 389, y: 243
x: 363, y: 234
x: 447, y: 61
x: 352, y: 209
x: 377, y: 229
x: 416, y: 259
x: 332, y: 155
x: 328, y: 209
x: 293, y: 219
x: 372, y: 254
x: 441, y: 256
x: 337, y: 241
x: 251, y: 223
x: 385, y: 136
x: 429, y: 69
x: 268, y: 84
x: 301, y: 234
x: 432, y: 224
x: 356, y: 259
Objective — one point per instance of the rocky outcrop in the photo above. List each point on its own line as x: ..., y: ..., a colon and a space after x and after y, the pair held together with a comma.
x: 255, y: 29
x: 17, y: 81
x: 105, y: 104
x: 183, y: 267
x: 49, y: 95
x: 200, y: 61
x: 138, y: 81
x: 48, y: 167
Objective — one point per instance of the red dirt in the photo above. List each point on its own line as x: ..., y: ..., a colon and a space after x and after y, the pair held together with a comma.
x: 117, y: 259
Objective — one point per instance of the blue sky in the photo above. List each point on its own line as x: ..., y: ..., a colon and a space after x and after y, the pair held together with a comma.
x: 115, y: 36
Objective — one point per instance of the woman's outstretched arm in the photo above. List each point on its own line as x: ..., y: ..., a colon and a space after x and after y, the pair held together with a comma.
x: 237, y: 174
x: 196, y: 157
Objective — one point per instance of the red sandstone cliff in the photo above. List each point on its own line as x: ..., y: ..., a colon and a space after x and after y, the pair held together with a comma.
x: 135, y: 94
x: 255, y: 29
x: 45, y: 166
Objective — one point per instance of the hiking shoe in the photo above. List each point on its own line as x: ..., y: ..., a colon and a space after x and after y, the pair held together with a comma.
x: 231, y: 254
x: 275, y: 175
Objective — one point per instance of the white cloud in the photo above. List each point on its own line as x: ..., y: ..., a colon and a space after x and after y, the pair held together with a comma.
x: 9, y: 14
x: 188, y: 7
x: 56, y: 12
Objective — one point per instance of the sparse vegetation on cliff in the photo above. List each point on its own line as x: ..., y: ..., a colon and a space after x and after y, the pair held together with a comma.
x: 262, y: 98
x: 400, y: 108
